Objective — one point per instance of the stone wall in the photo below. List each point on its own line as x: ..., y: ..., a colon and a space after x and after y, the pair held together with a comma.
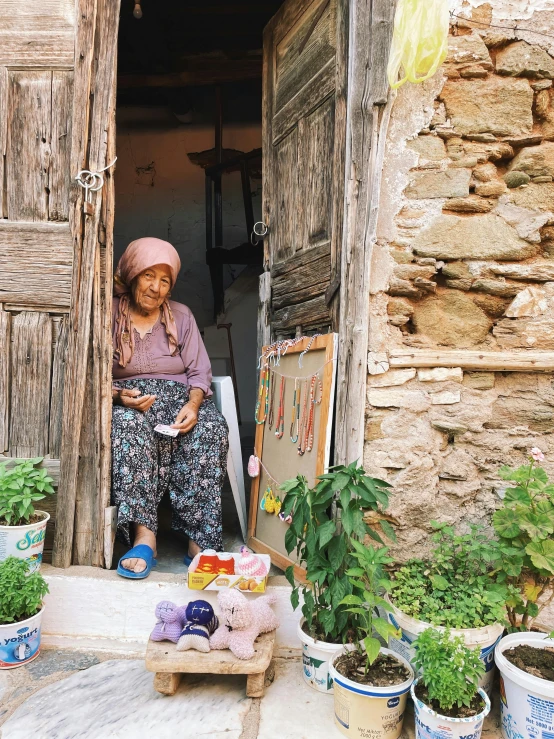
x: 464, y: 259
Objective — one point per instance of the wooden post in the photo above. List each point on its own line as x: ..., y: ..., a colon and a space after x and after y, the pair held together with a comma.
x: 370, y: 33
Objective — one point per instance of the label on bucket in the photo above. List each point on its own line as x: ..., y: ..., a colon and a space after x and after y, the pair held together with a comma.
x: 367, y: 717
x: 19, y: 644
x: 525, y: 714
x: 316, y: 671
x: 27, y: 545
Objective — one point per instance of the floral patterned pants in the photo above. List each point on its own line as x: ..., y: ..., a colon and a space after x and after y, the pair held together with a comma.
x: 191, y: 467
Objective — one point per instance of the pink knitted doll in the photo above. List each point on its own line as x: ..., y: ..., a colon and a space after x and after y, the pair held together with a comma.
x: 241, y: 620
x: 171, y: 619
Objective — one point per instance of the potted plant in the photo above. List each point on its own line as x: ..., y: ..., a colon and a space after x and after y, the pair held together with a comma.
x: 22, y: 528
x: 524, y: 525
x: 455, y: 588
x: 21, y: 607
x: 371, y: 683
x: 320, y: 537
x: 447, y: 698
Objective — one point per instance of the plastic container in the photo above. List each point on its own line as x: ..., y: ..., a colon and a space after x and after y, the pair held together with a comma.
x: 432, y: 725
x: 527, y: 702
x: 486, y: 638
x: 20, y: 642
x: 363, y: 711
x: 25, y: 542
x: 315, y: 661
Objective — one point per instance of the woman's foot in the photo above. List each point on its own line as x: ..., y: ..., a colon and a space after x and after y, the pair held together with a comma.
x: 142, y: 536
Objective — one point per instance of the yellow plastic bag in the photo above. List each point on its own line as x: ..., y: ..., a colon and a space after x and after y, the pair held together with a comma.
x: 419, y: 42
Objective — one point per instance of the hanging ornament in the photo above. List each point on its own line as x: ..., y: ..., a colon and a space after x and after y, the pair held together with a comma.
x: 137, y: 10
x: 253, y: 466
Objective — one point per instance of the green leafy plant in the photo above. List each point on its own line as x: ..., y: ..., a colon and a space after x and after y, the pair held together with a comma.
x: 20, y: 486
x: 450, y: 670
x: 323, y: 520
x: 369, y: 581
x: 21, y: 593
x: 456, y: 587
x: 524, y: 526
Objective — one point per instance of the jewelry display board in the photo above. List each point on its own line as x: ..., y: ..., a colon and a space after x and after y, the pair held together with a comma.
x: 294, y: 417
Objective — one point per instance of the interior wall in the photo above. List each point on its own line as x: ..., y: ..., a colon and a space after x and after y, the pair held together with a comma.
x: 159, y: 192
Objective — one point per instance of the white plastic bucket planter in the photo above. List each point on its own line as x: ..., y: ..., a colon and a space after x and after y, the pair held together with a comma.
x: 432, y: 725
x: 486, y: 638
x: 315, y: 661
x: 20, y: 642
x: 363, y: 711
x: 526, y: 702
x: 24, y: 542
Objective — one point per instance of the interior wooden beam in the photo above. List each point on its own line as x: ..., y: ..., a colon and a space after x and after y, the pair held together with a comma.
x: 208, y: 71
x: 473, y: 360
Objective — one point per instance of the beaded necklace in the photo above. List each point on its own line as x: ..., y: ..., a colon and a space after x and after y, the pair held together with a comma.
x: 280, y: 426
x: 264, y: 383
x: 271, y: 406
x: 304, y: 420
x: 295, y: 411
x: 314, y: 400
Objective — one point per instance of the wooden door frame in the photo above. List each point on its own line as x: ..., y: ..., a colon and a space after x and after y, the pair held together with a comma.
x: 369, y: 102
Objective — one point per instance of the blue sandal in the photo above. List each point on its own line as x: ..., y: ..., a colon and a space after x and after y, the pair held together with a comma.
x: 187, y: 560
x: 141, y: 551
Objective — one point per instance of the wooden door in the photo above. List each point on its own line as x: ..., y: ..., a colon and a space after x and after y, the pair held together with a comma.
x: 57, y: 65
x: 303, y: 153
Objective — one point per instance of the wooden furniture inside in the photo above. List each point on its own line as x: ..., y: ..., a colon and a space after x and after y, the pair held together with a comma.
x: 169, y: 664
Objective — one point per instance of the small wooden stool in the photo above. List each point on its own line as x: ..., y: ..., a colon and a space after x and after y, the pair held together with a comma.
x: 169, y: 664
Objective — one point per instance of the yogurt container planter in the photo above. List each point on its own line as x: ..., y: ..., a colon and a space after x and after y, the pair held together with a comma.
x: 315, y: 661
x: 432, y: 725
x: 486, y: 638
x: 527, y: 702
x: 20, y: 642
x: 366, y: 711
x: 25, y: 542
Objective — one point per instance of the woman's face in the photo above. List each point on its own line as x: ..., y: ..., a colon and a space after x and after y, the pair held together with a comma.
x: 151, y: 288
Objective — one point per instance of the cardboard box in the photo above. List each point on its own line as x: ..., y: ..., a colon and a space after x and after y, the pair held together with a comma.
x: 221, y: 581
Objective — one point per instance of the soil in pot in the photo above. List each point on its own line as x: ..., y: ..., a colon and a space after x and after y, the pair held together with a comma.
x: 385, y: 671
x: 537, y: 661
x: 477, y: 705
x: 320, y: 636
x: 35, y: 518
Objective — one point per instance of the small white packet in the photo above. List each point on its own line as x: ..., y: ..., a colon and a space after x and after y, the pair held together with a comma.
x: 166, y: 430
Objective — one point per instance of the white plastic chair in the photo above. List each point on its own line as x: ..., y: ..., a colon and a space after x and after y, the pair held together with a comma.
x: 224, y: 399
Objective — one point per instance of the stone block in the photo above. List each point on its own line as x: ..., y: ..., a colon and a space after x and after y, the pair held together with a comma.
x: 403, y: 288
x: 525, y: 333
x: 468, y: 49
x: 479, y: 380
x: 472, y: 204
x: 534, y: 196
x: 529, y: 302
x: 448, y: 426
x: 485, y: 172
x: 536, y: 161
x: 463, y: 284
x: 451, y: 183
x: 502, y: 107
x: 473, y: 71
x: 492, y: 305
x: 411, y: 271
x: 500, y: 288
x: 440, y: 374
x: 482, y: 237
x: 413, y: 400
x: 526, y: 222
x: 445, y: 398
x: 541, y: 85
x: 492, y: 189
x: 431, y: 148
x: 392, y: 377
x: 542, y: 104
x: 530, y: 411
x: 377, y: 363
x: 516, y: 178
x: 540, y: 271
x: 373, y: 423
x: 451, y: 319
x: 456, y: 270
x: 524, y: 60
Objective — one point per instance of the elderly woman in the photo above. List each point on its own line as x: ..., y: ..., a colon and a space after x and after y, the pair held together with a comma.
x: 162, y: 375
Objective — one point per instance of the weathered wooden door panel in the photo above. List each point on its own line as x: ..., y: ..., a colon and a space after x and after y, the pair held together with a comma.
x: 304, y: 141
x: 53, y: 54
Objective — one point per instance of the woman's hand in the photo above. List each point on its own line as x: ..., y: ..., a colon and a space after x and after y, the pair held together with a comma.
x: 133, y: 399
x: 187, y: 418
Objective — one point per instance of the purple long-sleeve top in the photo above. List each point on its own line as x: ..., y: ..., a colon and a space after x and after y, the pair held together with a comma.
x: 152, y: 359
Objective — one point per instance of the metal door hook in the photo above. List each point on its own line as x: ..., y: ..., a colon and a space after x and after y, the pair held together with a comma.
x: 260, y: 229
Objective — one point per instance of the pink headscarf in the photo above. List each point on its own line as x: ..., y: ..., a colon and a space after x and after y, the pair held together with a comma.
x: 137, y: 257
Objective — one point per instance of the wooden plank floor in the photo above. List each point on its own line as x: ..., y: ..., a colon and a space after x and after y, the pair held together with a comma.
x: 169, y: 664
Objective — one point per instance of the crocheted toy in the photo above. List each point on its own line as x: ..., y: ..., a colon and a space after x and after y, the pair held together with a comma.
x: 250, y: 564
x: 241, y: 621
x: 201, y: 624
x: 171, y: 619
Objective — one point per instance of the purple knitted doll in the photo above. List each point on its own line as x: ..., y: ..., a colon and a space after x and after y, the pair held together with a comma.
x: 171, y: 619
